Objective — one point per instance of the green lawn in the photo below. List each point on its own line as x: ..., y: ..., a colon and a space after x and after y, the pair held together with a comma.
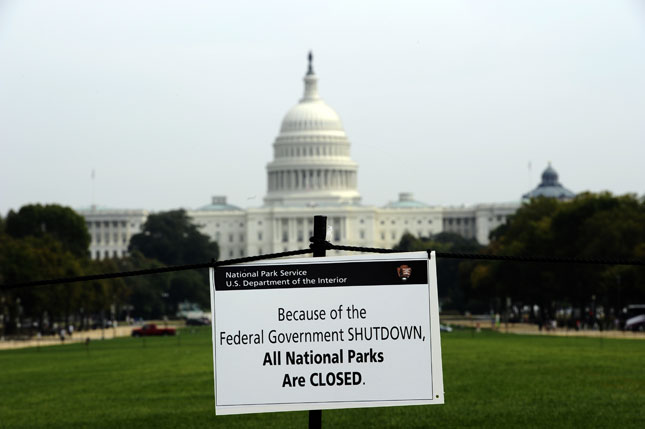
x: 491, y: 380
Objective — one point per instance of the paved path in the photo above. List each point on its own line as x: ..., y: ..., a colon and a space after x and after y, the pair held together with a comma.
x: 79, y: 336
x: 531, y: 329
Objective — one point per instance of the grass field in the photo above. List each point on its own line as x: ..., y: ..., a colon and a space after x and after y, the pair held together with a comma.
x: 491, y: 380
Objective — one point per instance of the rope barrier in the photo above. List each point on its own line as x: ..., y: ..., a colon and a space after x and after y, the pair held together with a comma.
x: 149, y: 271
x: 508, y: 258
x: 327, y: 246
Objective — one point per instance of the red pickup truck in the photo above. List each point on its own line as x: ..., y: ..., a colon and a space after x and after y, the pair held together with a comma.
x: 151, y: 329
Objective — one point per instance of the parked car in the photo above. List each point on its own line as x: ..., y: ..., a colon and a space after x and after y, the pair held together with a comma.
x: 634, y: 317
x: 198, y: 321
x: 445, y: 328
x: 151, y: 329
x: 636, y: 323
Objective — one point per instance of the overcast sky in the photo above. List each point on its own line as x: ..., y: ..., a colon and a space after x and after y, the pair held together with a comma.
x: 171, y: 102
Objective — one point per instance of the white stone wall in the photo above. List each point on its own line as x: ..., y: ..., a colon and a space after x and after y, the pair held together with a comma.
x: 111, y: 229
x: 227, y: 227
x: 392, y: 223
x: 265, y: 230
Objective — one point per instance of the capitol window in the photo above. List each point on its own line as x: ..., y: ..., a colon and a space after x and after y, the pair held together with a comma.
x: 230, y: 238
x: 260, y: 236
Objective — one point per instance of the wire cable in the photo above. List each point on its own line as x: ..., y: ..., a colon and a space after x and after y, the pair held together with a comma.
x: 327, y: 246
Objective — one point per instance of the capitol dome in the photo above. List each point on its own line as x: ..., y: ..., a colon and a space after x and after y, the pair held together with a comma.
x: 311, y: 163
x: 311, y: 113
x: 311, y: 116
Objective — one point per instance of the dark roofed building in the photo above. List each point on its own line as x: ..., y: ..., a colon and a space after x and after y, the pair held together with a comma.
x: 550, y: 187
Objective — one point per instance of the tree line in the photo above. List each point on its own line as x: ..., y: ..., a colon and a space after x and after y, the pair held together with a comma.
x: 589, y: 226
x: 40, y: 242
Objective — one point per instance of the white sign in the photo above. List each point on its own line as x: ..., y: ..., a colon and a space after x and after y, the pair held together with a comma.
x: 321, y: 333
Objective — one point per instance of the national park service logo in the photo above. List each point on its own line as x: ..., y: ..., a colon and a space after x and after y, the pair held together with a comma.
x: 404, y: 272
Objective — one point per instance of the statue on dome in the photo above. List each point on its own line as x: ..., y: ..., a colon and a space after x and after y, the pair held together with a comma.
x: 310, y: 70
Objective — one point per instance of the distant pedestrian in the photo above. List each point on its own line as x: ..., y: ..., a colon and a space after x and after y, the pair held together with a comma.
x: 61, y: 333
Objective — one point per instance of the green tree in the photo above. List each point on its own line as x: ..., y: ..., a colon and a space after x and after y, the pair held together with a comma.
x: 147, y: 296
x: 591, y: 226
x: 453, y: 287
x: 61, y: 223
x: 171, y: 238
x: 37, y: 258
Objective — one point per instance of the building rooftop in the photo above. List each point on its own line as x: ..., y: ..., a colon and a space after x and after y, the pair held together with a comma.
x: 218, y: 203
x: 550, y: 187
x: 406, y: 201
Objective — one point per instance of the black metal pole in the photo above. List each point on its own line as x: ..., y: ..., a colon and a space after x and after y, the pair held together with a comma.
x: 319, y: 246
x: 318, y: 243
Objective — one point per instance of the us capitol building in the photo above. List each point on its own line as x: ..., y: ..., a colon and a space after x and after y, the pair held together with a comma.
x: 312, y: 173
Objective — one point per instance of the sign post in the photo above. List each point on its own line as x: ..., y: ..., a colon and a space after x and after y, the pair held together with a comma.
x: 338, y: 332
x: 318, y: 246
